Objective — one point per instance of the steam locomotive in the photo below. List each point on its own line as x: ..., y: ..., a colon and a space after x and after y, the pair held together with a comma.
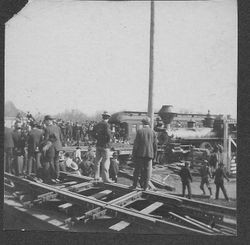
x: 176, y: 132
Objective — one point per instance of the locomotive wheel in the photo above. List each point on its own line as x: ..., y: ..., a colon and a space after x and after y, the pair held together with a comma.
x: 206, y: 145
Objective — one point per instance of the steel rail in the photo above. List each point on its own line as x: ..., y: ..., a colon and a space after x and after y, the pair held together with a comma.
x: 112, y: 208
x: 170, y: 198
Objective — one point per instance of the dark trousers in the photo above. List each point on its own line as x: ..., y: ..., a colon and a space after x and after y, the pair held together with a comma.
x: 51, y: 168
x: 8, y: 158
x: 34, y: 158
x: 203, y: 182
x: 184, y: 185
x: 48, y: 171
x: 222, y: 187
x: 143, y: 168
x: 25, y: 161
x: 56, y: 165
x: 18, y: 164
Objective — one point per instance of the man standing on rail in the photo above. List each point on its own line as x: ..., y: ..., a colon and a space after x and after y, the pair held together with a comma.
x: 144, y: 151
x: 102, y: 134
x: 18, y: 152
x: 52, y: 129
x: 35, y: 138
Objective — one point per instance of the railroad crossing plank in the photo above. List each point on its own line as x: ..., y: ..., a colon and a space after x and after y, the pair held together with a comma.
x: 119, y: 226
x: 101, y: 194
x: 70, y: 183
x: 79, y: 187
x: 75, y: 177
x: 65, y: 205
x: 123, y: 200
x: 149, y: 209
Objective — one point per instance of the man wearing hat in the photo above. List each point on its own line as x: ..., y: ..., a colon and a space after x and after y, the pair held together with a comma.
x: 35, y: 138
x: 144, y: 151
x: 205, y: 175
x: 219, y: 176
x: 8, y: 149
x: 186, y: 179
x: 18, y: 152
x: 102, y: 134
x: 52, y: 129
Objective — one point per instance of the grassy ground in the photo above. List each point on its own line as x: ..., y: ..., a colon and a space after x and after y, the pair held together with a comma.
x: 165, y: 175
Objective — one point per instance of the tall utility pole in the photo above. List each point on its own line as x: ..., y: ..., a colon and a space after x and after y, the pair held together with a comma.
x: 151, y: 66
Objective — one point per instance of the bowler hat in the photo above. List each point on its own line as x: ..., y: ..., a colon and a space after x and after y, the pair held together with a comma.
x: 106, y: 114
x: 48, y: 117
x: 146, y: 121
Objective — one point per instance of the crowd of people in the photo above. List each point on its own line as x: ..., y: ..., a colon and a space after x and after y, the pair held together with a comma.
x: 35, y: 149
x: 212, y: 169
x: 75, y: 132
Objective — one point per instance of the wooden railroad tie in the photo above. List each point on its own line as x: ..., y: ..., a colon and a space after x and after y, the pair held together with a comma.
x: 101, y: 194
x: 180, y: 215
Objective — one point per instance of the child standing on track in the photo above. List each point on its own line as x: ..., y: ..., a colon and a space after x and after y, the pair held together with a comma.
x: 205, y: 175
x: 114, y: 167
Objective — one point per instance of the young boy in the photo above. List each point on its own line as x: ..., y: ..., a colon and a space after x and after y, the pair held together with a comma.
x: 114, y: 167
x: 205, y: 176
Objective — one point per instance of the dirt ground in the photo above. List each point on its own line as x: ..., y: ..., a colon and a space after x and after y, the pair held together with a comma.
x: 163, y: 174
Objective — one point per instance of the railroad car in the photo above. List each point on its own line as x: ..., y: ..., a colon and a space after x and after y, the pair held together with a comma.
x: 175, y: 130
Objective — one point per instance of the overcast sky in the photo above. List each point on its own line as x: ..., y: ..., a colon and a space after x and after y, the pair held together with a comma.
x: 94, y: 56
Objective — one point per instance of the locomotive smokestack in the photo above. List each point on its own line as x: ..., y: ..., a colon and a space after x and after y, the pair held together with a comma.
x: 167, y: 115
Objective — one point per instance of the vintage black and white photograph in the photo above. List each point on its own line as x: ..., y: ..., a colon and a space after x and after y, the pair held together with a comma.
x: 121, y: 117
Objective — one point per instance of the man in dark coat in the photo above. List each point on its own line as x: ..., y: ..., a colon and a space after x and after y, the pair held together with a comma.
x: 205, y: 175
x: 8, y: 149
x: 219, y: 176
x: 102, y: 134
x: 19, y: 144
x: 48, y: 155
x: 186, y: 179
x: 63, y: 131
x: 52, y: 129
x: 35, y: 138
x: 144, y: 151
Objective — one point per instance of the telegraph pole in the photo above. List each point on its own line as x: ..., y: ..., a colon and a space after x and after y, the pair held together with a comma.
x: 151, y: 67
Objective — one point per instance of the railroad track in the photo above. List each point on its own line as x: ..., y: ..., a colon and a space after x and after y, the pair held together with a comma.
x: 83, y: 200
